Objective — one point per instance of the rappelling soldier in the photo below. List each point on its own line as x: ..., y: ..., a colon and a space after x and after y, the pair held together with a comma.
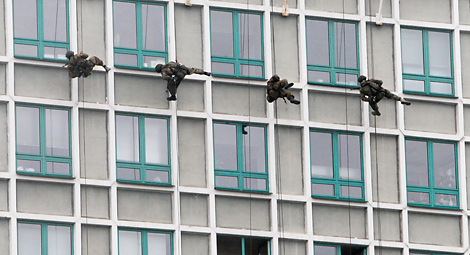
x: 372, y: 92
x: 174, y: 73
x: 79, y: 65
x: 278, y: 88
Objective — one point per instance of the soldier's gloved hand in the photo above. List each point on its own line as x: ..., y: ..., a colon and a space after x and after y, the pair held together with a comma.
x: 207, y: 73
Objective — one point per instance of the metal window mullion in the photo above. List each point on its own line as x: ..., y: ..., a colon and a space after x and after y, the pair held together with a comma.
x: 426, y: 61
x: 44, y: 239
x: 243, y: 246
x: 240, y: 155
x: 138, y: 16
x: 431, y: 172
x: 332, y: 50
x: 236, y: 42
x: 42, y: 139
x: 40, y: 13
x: 336, y: 159
x: 142, y: 156
x: 144, y: 243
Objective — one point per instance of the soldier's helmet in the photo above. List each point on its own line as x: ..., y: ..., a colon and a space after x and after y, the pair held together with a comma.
x: 275, y: 77
x: 361, y: 78
x: 69, y: 54
x: 158, y: 68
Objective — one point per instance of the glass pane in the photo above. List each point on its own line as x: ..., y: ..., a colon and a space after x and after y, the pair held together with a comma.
x: 26, y: 50
x: 418, y: 197
x: 441, y: 87
x: 351, y: 191
x: 226, y: 181
x: 28, y: 165
x: 412, y: 51
x: 58, y: 240
x: 25, y: 19
x: 55, y: 20
x: 125, y: 59
x: 156, y: 141
x: 250, y: 36
x: 350, y: 157
x: 323, y: 189
x: 229, y: 245
x: 27, y: 130
x: 321, y: 154
x: 255, y: 246
x: 345, y: 45
x: 255, y: 183
x: 346, y: 79
x: 57, y: 133
x: 439, y: 54
x: 444, y: 199
x: 319, y: 76
x: 444, y: 165
x: 156, y: 176
x: 221, y: 34
x: 29, y: 239
x: 53, y: 52
x: 125, y: 27
x: 254, y: 149
x: 251, y: 70
x: 223, y: 68
x: 225, y: 146
x: 158, y: 244
x: 58, y: 168
x: 324, y: 250
x: 128, y: 173
x: 150, y: 61
x: 127, y: 138
x: 417, y: 163
x: 318, y: 52
x: 153, y: 27
x: 130, y: 242
x: 413, y: 85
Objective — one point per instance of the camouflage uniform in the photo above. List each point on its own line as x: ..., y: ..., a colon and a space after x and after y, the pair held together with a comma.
x: 372, y: 92
x: 174, y: 73
x: 278, y: 88
x: 79, y: 65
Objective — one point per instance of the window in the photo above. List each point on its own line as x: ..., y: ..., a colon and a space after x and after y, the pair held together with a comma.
x: 142, y: 148
x: 44, y: 238
x: 234, y: 245
x: 338, y: 249
x: 237, y: 44
x: 336, y: 165
x: 41, y: 29
x: 431, y: 173
x: 427, y: 62
x: 240, y: 157
x: 43, y: 141
x: 144, y: 242
x: 332, y: 52
x: 139, y: 34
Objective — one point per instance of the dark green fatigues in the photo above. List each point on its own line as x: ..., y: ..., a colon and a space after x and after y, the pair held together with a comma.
x: 278, y: 88
x: 174, y: 74
x: 79, y: 65
x: 372, y: 92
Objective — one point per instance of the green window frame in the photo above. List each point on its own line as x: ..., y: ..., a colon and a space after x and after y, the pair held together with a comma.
x: 427, y: 62
x: 227, y: 244
x: 140, y: 45
x: 147, y: 241
x: 326, y: 63
x: 338, y: 249
x: 38, y: 33
x: 234, y: 58
x: 337, y: 168
x: 236, y: 152
x: 431, y: 176
x: 44, y: 238
x: 145, y: 158
x: 44, y: 154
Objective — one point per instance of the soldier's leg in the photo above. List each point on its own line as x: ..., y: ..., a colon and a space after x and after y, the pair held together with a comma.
x: 73, y: 72
x: 379, y: 96
x: 179, y: 78
x: 390, y: 95
x: 171, y: 87
x: 374, y: 107
x: 291, y: 97
x: 272, y: 96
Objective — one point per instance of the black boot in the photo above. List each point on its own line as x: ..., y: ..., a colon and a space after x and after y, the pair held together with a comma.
x: 288, y: 85
x: 403, y: 101
x: 294, y: 101
x: 171, y: 98
x: 376, y: 113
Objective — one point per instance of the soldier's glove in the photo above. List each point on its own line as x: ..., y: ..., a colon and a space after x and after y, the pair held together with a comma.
x: 207, y: 73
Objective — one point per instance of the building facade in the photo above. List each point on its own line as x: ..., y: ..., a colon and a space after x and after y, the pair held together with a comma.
x: 106, y: 165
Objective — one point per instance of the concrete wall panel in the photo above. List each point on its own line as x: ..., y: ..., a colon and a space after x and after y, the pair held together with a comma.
x: 140, y: 91
x: 434, y: 229
x: 95, y: 202
x: 2, y: 28
x: 381, y: 66
x: 144, y: 206
x: 4, y: 237
x: 258, y: 2
x: 191, y: 149
x: 464, y: 13
x: 387, y: 251
x: 385, y: 153
x: 331, y: 221
x: 388, y: 119
x: 43, y: 82
x: 417, y: 117
x: 290, y: 164
x: 291, y: 217
x: 465, y: 55
x: 44, y: 198
x: 331, y: 108
x: 279, y: 3
x: 227, y: 207
x: 3, y: 138
x: 466, y: 118
x: 91, y: 28
x: 292, y: 247
x: 372, y: 7
x: 346, y: 6
x: 285, y: 48
x: 189, y: 33
x: 3, y: 195
x: 194, y: 210
x: 95, y: 240
x: 239, y: 99
x: 93, y: 144
x: 192, y: 244
x: 387, y: 225
x: 435, y: 11
x: 191, y: 96
x: 3, y: 81
x: 287, y: 110
x: 93, y: 88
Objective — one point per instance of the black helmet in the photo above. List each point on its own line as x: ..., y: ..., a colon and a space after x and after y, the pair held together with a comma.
x: 69, y: 54
x: 361, y: 78
x: 158, y: 68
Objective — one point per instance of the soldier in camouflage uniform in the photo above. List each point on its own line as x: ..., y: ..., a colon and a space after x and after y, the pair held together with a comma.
x: 79, y: 65
x: 278, y: 88
x: 174, y: 73
x: 372, y: 92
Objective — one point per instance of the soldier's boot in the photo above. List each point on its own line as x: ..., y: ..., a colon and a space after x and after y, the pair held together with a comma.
x: 288, y: 85
x: 374, y: 107
x: 171, y: 98
x: 403, y: 101
x: 376, y: 113
x: 294, y: 101
x: 207, y: 73
x: 106, y: 68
